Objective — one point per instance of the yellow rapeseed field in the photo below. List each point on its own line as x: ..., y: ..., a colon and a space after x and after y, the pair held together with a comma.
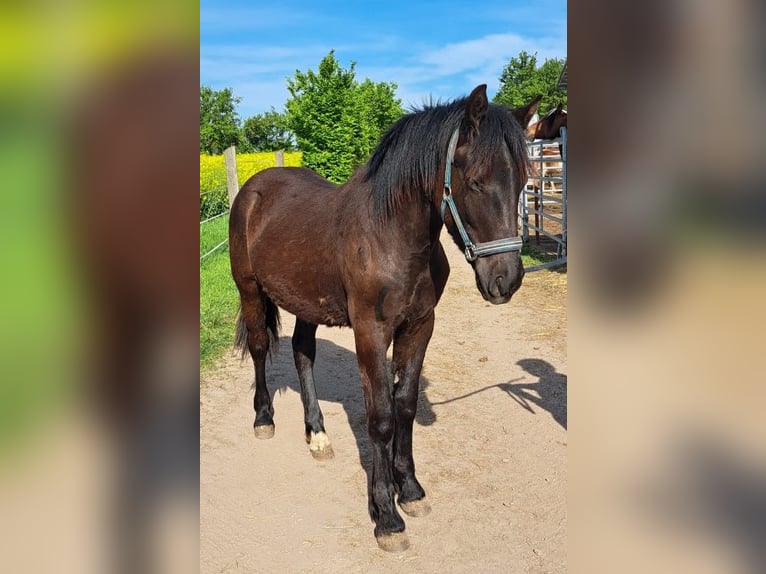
x: 212, y: 176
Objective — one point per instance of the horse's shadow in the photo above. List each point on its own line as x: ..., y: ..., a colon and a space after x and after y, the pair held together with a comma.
x: 550, y: 389
x: 336, y: 374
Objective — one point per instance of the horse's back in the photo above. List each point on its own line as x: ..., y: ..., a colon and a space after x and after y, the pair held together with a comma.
x: 275, y: 196
x: 284, y: 225
x: 276, y: 183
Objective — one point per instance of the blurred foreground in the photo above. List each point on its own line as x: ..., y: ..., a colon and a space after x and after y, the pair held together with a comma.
x: 98, y: 346
x: 98, y: 314
x: 667, y: 287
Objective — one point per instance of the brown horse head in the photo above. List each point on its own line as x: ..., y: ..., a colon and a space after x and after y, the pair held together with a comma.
x: 490, y: 168
x: 549, y: 127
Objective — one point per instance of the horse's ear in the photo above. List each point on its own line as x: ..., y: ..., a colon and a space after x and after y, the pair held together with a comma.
x: 475, y: 108
x: 524, y: 114
x: 559, y: 107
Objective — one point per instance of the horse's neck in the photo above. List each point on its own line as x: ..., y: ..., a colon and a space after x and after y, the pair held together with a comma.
x: 416, y: 223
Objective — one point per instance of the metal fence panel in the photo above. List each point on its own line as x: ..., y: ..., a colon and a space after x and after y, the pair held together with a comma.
x: 544, y: 194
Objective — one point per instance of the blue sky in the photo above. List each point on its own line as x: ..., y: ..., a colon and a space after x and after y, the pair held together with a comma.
x: 439, y: 49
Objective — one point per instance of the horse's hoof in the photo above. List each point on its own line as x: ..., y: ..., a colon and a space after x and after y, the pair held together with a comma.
x: 393, y: 542
x: 320, y: 446
x: 416, y: 507
x: 323, y: 454
x: 263, y: 431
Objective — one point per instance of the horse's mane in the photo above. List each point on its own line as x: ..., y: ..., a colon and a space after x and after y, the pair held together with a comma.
x: 409, y: 159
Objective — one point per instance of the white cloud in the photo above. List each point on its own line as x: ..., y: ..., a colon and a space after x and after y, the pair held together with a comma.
x: 489, y: 50
x: 455, y: 69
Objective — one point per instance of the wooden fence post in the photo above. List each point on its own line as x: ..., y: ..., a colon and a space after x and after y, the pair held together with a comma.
x: 280, y: 158
x: 232, y: 184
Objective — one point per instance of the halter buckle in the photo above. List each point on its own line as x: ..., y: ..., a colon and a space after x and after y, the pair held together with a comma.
x: 470, y: 255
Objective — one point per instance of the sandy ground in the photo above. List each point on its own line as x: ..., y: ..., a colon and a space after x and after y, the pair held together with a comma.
x: 490, y: 448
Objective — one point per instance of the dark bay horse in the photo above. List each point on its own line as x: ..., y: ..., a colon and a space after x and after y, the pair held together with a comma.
x: 367, y: 255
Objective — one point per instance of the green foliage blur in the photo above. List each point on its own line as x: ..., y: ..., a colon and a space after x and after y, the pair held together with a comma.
x: 522, y: 79
x: 218, y: 120
x: 336, y: 120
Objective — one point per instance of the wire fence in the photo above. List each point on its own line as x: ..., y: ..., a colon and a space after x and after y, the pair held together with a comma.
x: 214, y: 217
x: 214, y: 249
x: 213, y: 202
x: 218, y: 176
x: 214, y: 205
x: 219, y: 184
x: 213, y: 234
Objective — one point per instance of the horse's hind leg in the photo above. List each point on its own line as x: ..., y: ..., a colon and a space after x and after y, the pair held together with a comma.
x: 257, y: 314
x: 304, y: 352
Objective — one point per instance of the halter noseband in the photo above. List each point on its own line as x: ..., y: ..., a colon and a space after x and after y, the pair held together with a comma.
x: 472, y: 250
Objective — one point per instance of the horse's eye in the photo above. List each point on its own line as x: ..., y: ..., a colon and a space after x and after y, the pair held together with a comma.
x: 475, y: 185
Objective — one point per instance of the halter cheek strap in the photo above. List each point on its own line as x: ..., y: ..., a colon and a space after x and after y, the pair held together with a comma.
x: 472, y: 250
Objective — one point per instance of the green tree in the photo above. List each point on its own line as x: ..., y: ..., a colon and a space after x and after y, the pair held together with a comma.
x: 336, y: 120
x: 522, y: 80
x: 218, y: 120
x: 266, y: 132
x: 377, y: 107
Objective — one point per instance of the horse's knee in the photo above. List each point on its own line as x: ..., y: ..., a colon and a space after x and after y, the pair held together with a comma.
x: 381, y: 427
x: 406, y: 400
x: 406, y: 409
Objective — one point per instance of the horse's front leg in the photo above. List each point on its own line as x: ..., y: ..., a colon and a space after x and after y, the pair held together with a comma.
x: 410, y: 345
x: 372, y: 340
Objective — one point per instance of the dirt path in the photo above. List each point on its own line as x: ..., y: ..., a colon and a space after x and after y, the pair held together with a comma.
x: 490, y: 448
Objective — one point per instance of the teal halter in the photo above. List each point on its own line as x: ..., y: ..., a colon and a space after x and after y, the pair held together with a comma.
x: 472, y: 250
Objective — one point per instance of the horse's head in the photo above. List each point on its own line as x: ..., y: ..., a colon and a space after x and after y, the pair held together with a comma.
x: 488, y: 172
x: 550, y: 126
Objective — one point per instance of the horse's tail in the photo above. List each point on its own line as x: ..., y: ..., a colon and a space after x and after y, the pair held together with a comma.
x: 240, y: 338
x: 272, y: 327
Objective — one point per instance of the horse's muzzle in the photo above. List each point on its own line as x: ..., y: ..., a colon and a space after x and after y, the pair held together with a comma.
x: 498, y: 283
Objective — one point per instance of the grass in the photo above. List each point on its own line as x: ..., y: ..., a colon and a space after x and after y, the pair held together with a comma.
x: 218, y: 298
x: 531, y: 256
x: 212, y: 233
